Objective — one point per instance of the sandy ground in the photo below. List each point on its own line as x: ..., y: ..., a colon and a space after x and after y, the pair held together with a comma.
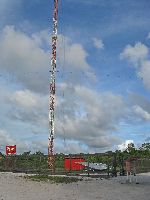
x: 13, y: 187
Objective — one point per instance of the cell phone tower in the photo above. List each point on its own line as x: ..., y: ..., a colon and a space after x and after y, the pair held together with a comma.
x: 51, y: 160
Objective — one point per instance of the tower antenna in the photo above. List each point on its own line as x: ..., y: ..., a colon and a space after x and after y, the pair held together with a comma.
x: 51, y: 160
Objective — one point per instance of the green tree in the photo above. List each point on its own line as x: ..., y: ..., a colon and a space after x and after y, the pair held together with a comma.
x: 145, y: 146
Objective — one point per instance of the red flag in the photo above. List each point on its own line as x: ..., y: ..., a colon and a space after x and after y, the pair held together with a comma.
x: 10, y: 150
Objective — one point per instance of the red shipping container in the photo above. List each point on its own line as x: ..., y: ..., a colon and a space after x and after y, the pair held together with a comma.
x: 10, y: 150
x: 74, y: 164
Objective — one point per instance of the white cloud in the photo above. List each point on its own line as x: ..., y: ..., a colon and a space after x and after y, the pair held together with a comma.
x: 98, y: 43
x: 135, y: 54
x: 67, y: 146
x: 90, y: 117
x: 24, y: 106
x: 124, y: 145
x: 85, y: 116
x: 7, y: 139
x: 24, y: 57
x: 82, y: 115
x: 22, y: 145
x: 139, y: 109
x: 77, y: 57
x: 73, y: 58
x: 143, y: 102
x: 138, y: 56
x: 25, y: 99
x: 144, y: 73
x: 140, y: 112
x: 41, y: 38
x: 148, y: 36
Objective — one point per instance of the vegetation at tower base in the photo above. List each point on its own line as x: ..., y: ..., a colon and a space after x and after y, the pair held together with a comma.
x: 53, y: 179
x: 37, y: 162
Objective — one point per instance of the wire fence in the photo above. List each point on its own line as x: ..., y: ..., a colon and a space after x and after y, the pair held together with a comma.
x: 140, y: 166
x: 38, y: 164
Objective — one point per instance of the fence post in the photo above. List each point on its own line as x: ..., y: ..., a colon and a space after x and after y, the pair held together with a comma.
x: 70, y: 165
x: 108, y: 170
x: 114, y: 165
x: 88, y: 168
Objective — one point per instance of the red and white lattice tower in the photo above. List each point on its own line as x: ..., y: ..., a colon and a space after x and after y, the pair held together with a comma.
x: 51, y: 161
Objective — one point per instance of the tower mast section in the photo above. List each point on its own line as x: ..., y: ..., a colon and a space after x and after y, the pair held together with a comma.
x: 51, y: 161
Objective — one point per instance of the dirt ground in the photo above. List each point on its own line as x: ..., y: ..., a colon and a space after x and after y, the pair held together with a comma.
x: 14, y: 187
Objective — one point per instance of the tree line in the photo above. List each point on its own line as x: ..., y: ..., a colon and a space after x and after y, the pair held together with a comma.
x: 28, y: 161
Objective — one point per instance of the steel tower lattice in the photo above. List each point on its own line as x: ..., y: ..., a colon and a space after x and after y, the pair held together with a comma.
x: 51, y: 160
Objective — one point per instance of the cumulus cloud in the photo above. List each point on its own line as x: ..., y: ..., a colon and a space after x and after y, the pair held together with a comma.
x: 73, y: 58
x: 139, y: 109
x: 94, y: 117
x: 74, y: 52
x: 29, y: 107
x: 141, y: 101
x: 23, y: 108
x: 124, y: 145
x: 137, y: 55
x: 26, y: 58
x: 67, y: 146
x: 7, y: 139
x: 41, y: 38
x: 85, y: 117
x: 144, y: 73
x: 25, y: 99
x: 98, y: 43
x: 22, y: 145
x: 22, y: 58
x: 140, y: 112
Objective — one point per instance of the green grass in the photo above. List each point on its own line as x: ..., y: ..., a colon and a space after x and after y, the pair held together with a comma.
x: 53, y: 179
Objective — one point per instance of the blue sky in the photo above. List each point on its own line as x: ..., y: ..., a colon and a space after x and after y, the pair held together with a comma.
x: 103, y: 83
